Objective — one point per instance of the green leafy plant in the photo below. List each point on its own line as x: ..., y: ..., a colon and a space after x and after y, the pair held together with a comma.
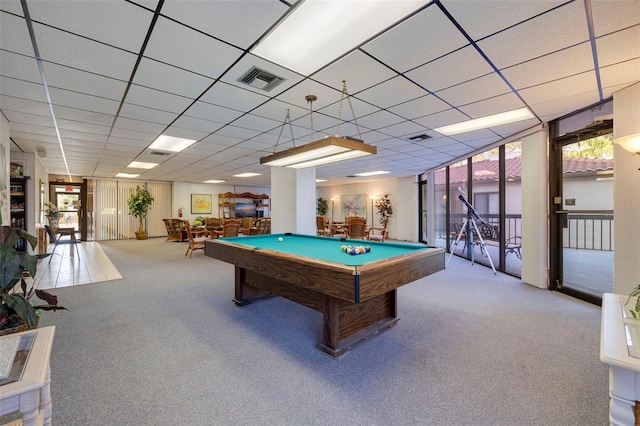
x: 51, y: 210
x: 139, y: 204
x: 635, y: 312
x: 321, y: 207
x: 16, y: 267
x: 385, y: 209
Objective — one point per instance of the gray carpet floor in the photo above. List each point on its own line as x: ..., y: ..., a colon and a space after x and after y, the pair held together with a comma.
x: 166, y: 346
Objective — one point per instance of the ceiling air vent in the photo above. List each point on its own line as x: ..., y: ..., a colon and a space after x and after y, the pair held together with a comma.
x: 160, y: 153
x: 419, y: 138
x: 260, y: 79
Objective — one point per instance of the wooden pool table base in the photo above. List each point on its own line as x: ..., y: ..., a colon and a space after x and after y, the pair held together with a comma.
x: 343, y: 323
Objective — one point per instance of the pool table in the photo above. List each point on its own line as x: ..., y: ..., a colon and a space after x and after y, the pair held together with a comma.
x: 357, y: 294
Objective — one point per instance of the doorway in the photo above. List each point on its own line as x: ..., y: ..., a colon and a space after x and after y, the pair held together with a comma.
x: 581, y: 212
x: 71, y: 201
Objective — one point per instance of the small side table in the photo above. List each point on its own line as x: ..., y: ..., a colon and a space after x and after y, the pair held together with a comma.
x: 28, y: 388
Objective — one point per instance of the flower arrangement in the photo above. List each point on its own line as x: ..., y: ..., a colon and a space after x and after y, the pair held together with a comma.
x: 385, y: 209
x: 51, y: 210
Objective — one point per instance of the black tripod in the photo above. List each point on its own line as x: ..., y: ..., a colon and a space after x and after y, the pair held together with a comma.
x: 469, y: 227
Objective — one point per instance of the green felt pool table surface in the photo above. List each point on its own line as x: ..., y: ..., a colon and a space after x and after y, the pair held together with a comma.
x: 327, y: 248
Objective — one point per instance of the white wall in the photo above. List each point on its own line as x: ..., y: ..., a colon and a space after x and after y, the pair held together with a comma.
x: 626, y: 191
x: 403, y: 192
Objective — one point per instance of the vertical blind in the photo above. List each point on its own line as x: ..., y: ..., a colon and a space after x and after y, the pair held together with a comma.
x: 112, y: 218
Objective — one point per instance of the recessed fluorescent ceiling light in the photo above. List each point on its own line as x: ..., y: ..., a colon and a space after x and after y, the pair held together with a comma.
x: 247, y: 175
x: 320, y: 180
x: 126, y: 175
x: 319, y: 31
x: 141, y: 165
x: 378, y: 172
x: 169, y: 143
x: 486, y: 122
x: 214, y: 181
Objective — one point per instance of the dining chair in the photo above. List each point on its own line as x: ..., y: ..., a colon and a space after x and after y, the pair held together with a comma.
x: 195, y: 243
x: 231, y: 228
x: 55, y: 240
x: 324, y: 228
x: 376, y: 233
x: 357, y: 228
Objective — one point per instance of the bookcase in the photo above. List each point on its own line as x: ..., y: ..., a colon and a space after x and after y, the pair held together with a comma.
x: 18, y: 205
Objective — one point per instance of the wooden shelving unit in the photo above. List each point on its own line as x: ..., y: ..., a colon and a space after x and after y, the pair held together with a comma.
x: 228, y: 204
x: 18, y: 206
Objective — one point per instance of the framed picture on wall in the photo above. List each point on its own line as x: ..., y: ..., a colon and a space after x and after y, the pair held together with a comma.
x: 200, y: 203
x: 16, y: 168
x: 354, y: 205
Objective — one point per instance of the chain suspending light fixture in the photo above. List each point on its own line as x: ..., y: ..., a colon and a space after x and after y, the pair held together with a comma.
x: 330, y: 149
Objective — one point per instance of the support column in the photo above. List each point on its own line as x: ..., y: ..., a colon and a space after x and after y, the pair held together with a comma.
x: 534, y: 209
x: 293, y: 200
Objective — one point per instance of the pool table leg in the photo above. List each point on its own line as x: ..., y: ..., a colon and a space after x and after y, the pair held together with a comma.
x: 244, y: 293
x: 345, y: 324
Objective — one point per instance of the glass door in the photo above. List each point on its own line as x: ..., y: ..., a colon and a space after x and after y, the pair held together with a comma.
x: 581, y: 251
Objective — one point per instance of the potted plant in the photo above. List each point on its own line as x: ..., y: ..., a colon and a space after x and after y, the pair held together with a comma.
x: 385, y: 209
x: 139, y: 203
x: 53, y: 214
x: 635, y: 310
x: 322, y: 207
x: 17, y: 309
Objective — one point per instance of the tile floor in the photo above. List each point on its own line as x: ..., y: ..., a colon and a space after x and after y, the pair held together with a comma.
x: 69, y: 268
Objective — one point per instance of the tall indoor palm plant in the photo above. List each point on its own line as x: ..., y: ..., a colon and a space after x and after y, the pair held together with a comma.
x: 139, y: 204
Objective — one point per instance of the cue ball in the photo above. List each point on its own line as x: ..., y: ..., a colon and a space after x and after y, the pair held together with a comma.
x: 280, y: 239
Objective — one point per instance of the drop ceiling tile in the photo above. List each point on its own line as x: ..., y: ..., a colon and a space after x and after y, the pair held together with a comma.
x: 396, y: 47
x: 82, y: 127
x: 147, y: 114
x: 19, y: 67
x: 61, y: 77
x: 151, y: 98
x: 82, y: 116
x: 442, y: 118
x: 480, y: 19
x: 573, y: 61
x: 10, y: 87
x: 223, y: 19
x: 261, y: 124
x: 216, y: 113
x: 492, y: 106
x: 613, y: 16
x: 358, y: 70
x: 481, y: 88
x: 249, y: 61
x: 14, y: 35
x: 138, y: 126
x: 77, y: 52
x: 170, y: 79
x: 179, y: 132
x: 182, y: 47
x: 379, y: 120
x: 403, y: 90
x: 438, y: 75
x: 228, y: 96
x: 419, y: 107
x: 563, y: 28
x: 619, y: 47
x: 32, y: 129
x: 558, y: 89
x: 81, y: 101
x: 552, y: 109
x: 403, y: 129
x: 119, y: 24
x: 616, y: 77
x: 204, y: 126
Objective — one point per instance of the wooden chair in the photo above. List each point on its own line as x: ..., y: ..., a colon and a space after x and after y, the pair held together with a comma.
x: 175, y: 229
x: 357, y: 228
x: 231, y: 228
x: 248, y: 227
x: 381, y: 234
x: 324, y: 228
x: 212, y: 224
x: 195, y: 243
x: 264, y: 225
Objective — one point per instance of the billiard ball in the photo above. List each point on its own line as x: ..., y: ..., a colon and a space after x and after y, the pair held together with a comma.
x: 280, y: 239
